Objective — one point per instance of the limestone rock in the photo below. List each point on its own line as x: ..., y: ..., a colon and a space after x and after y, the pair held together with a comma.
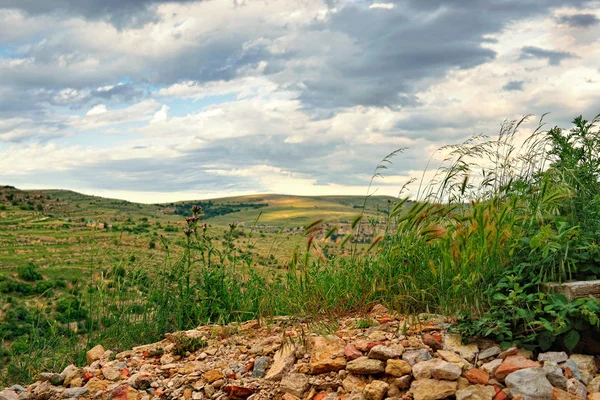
x: 531, y: 383
x: 476, y: 392
x: 212, y: 375
x: 69, y: 373
x: 492, y: 366
x: 553, y: 356
x: 385, y: 353
x: 453, y: 342
x: 283, y: 361
x: 375, y: 390
x: 75, y: 392
x: 555, y: 376
x: 295, y: 384
x: 397, y: 368
x: 416, y: 356
x: 446, y: 371
x: 574, y: 386
x: 490, y: 352
x: 402, y: 382
x: 327, y: 354
x: 594, y: 385
x: 423, y: 369
x: 111, y: 373
x: 432, y: 389
x: 353, y: 383
x: 365, y: 366
x: 94, y: 354
x: 584, y: 362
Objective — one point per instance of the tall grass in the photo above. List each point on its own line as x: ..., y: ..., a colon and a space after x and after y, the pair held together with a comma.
x: 492, y: 202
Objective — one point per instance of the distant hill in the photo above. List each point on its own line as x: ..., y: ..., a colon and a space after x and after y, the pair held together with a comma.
x: 270, y: 209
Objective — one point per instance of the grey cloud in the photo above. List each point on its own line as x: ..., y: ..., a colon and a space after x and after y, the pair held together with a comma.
x: 361, y: 56
x: 379, y: 57
x: 514, y: 85
x: 579, y: 20
x: 554, y: 57
x: 121, y: 13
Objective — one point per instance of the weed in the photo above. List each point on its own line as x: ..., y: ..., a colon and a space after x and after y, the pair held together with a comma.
x: 185, y: 344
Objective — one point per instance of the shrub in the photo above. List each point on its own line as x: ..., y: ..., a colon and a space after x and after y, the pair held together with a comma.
x: 29, y: 273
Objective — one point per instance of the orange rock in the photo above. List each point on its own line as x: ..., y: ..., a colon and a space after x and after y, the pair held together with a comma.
x: 238, y: 392
x: 478, y: 376
x: 212, y: 375
x: 568, y: 373
x: 370, y: 345
x: 512, y: 364
x: 594, y: 396
x: 558, y: 394
x: 430, y: 341
x: 500, y: 396
x: 123, y: 392
x: 437, y: 336
x: 320, y: 396
x: 351, y: 352
x: 87, y: 376
x: 382, y: 319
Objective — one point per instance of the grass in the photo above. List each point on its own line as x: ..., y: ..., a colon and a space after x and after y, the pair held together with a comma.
x: 493, y: 204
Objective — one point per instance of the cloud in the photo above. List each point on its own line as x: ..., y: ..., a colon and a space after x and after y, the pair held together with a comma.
x: 187, y: 99
x: 579, y: 20
x: 121, y: 13
x: 514, y: 85
x: 554, y: 57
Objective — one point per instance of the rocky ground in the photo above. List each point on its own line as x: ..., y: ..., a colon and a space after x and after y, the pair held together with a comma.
x: 288, y: 359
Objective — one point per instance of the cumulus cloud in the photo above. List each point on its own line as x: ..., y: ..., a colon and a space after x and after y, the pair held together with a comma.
x: 193, y: 97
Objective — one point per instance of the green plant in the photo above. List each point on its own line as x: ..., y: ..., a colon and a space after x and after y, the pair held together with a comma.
x: 364, y: 323
x: 29, y: 273
x: 520, y: 314
x: 186, y: 344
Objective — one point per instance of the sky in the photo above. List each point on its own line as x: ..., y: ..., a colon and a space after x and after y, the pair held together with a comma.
x: 164, y: 100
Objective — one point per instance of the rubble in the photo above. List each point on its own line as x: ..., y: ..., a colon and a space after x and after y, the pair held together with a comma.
x: 287, y: 360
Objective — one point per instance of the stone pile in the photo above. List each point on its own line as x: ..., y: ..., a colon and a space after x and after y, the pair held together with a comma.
x: 288, y: 360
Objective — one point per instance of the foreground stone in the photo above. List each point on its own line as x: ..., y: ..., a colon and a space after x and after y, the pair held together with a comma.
x: 397, y: 368
x: 476, y: 392
x: 432, y: 389
x: 282, y: 362
x: 376, y: 390
x: 327, y: 354
x: 365, y: 366
x: 512, y: 364
x: 530, y: 383
x: 446, y: 371
x: 352, y: 364
x: 295, y: 384
x: 94, y: 354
